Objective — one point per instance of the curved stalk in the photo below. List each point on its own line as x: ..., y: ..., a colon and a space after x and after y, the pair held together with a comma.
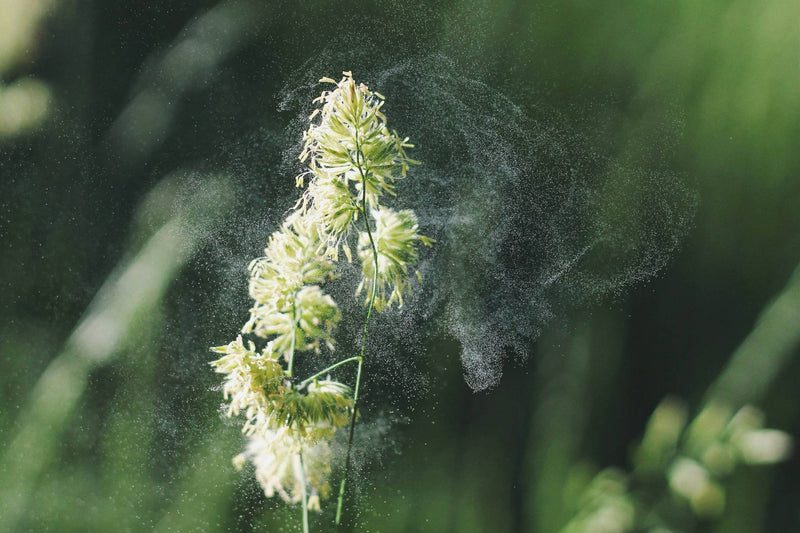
x: 289, y: 370
x: 332, y: 367
x: 305, y: 494
x: 370, y: 307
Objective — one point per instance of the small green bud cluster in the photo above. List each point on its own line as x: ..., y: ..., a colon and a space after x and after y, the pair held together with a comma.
x: 712, y: 446
x: 605, y: 506
x: 692, y: 460
x: 353, y: 159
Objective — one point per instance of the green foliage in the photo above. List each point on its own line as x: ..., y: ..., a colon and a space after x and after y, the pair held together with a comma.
x: 130, y: 133
x: 692, y: 463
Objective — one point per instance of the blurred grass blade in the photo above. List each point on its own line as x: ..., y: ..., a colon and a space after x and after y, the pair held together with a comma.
x: 191, y: 61
x: 557, y: 426
x: 19, y: 29
x: 573, y: 369
x: 766, y: 350
x: 206, y: 487
x: 135, y: 289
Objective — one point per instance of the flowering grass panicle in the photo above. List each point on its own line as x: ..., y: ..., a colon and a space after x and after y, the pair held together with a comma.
x: 353, y: 159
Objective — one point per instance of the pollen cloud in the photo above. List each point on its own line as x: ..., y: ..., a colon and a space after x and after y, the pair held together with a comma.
x: 530, y: 220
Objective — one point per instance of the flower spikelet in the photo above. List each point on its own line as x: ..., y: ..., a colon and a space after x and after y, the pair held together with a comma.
x: 314, y: 415
x: 292, y: 259
x: 287, y: 304
x: 395, y: 236
x: 329, y: 401
x: 352, y: 143
x: 334, y: 209
x: 299, y: 323
x: 276, y: 456
x: 250, y: 378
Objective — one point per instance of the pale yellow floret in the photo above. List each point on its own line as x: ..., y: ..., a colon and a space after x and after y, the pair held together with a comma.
x: 352, y: 143
x: 396, y: 238
x: 276, y: 457
x: 251, y: 378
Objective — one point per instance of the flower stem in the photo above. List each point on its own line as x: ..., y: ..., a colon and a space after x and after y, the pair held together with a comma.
x: 294, y: 334
x: 332, y: 367
x: 305, y: 494
x: 300, y: 455
x: 370, y: 307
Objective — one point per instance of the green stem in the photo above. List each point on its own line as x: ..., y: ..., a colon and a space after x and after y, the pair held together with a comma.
x: 332, y: 367
x: 370, y: 307
x: 289, y: 372
x: 294, y: 334
x: 305, y: 495
x: 343, y: 484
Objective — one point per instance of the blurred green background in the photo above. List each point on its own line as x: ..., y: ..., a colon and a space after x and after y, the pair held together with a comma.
x: 142, y: 166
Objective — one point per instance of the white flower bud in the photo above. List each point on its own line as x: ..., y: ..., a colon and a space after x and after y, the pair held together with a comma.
x: 763, y: 446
